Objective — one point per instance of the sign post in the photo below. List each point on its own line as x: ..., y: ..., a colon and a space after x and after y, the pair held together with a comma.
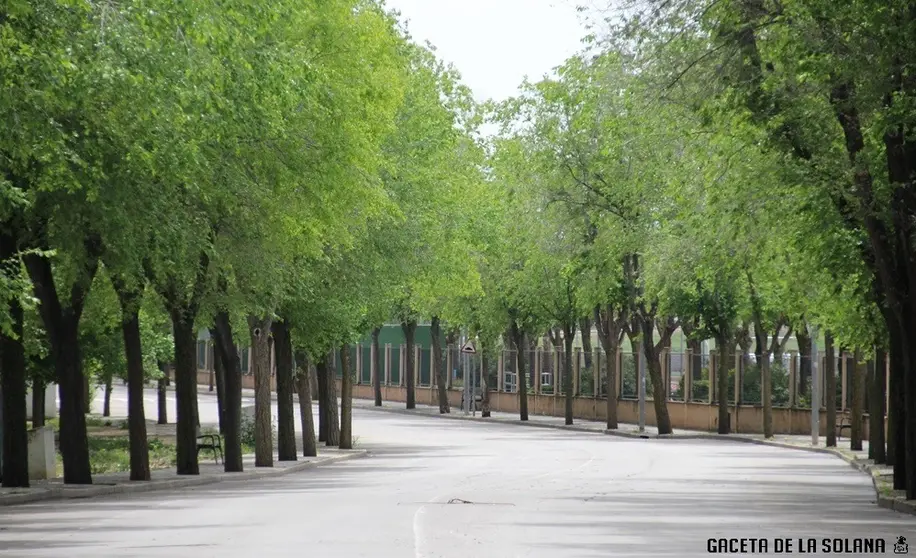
x: 467, y: 350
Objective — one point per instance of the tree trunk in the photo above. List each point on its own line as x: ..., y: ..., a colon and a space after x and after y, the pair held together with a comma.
x: 219, y: 378
x: 569, y: 333
x: 585, y: 329
x: 162, y: 402
x: 804, y: 365
x: 38, y: 402
x: 484, y: 387
x: 762, y: 353
x: 518, y: 338
x: 321, y: 374
x: 232, y: 395
x: 379, y: 371
x: 858, y: 402
x: 62, y: 325
x: 653, y: 367
x: 259, y: 328
x: 106, y: 403
x: 722, y: 343
x: 439, y: 371
x: 610, y: 333
x: 87, y: 394
x: 286, y: 413
x: 346, y: 399
x: 332, y: 420
x: 896, y: 429
x: 410, y: 328
x: 830, y: 388
x: 185, y: 393
x: 136, y: 415
x: 13, y: 383
x: 766, y: 395
x: 877, y: 391
x: 304, y: 387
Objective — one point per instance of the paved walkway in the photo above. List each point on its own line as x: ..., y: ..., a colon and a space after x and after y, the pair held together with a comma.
x: 432, y: 488
x: 881, y: 475
x: 168, y: 479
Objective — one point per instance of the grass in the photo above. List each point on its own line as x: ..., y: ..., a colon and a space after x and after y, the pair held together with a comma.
x: 110, y: 453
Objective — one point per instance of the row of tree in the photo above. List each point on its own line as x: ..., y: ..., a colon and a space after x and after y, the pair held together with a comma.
x: 733, y: 168
x: 295, y: 173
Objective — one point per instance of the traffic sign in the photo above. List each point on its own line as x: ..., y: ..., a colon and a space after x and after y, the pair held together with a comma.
x: 469, y: 348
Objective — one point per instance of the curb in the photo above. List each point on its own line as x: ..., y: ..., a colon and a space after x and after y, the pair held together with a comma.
x: 891, y: 503
x: 91, y: 491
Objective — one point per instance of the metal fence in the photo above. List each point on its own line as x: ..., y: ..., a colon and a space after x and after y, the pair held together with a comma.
x: 686, y: 377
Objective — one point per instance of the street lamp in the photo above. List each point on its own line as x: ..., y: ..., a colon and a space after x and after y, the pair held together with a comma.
x: 815, y: 388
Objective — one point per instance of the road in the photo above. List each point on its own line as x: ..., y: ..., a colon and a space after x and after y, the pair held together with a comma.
x: 437, y: 488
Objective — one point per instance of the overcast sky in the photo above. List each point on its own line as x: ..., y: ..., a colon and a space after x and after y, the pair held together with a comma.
x: 496, y: 43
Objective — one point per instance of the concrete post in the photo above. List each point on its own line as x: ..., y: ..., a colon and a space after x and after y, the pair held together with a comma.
x: 387, y: 377
x: 402, y: 365
x: 576, y: 370
x: 793, y: 379
x: 688, y: 377
x: 596, y: 371
x: 373, y: 370
x: 359, y: 363
x: 417, y: 354
x: 641, y: 388
x: 619, y: 379
x: 713, y: 375
x: 448, y: 366
x: 536, y: 375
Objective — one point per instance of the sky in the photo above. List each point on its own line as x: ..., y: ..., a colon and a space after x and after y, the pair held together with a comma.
x: 496, y: 43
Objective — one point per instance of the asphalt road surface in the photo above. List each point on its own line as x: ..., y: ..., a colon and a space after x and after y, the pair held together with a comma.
x: 438, y: 488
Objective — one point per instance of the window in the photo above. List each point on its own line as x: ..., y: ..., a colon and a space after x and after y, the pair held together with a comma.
x: 509, y: 380
x: 244, y: 361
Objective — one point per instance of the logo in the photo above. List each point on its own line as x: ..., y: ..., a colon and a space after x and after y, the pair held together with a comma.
x: 900, y: 547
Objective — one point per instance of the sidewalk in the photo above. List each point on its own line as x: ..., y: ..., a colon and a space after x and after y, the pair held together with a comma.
x: 168, y: 479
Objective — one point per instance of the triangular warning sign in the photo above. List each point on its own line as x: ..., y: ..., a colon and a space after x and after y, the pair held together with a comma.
x: 469, y: 348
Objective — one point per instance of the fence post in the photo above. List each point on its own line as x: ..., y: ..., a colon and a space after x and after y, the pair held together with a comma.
x: 793, y: 379
x: 576, y: 370
x: 713, y: 375
x: 619, y: 379
x: 596, y: 372
x: 386, y: 364
x: 688, y: 377
x: 416, y: 365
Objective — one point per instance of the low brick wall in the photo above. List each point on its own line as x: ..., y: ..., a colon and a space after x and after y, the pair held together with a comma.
x: 746, y: 419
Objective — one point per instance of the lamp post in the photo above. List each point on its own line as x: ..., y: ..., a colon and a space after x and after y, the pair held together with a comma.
x: 815, y: 388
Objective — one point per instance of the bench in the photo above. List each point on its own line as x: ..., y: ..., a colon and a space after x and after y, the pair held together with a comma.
x: 212, y: 442
x: 845, y: 422
x: 478, y: 398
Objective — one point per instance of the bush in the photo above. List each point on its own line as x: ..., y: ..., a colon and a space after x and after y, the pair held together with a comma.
x: 750, y: 389
x: 248, y: 431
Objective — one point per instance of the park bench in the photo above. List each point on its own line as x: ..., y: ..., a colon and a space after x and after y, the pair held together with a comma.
x: 211, y: 442
x: 478, y: 398
x: 844, y: 422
